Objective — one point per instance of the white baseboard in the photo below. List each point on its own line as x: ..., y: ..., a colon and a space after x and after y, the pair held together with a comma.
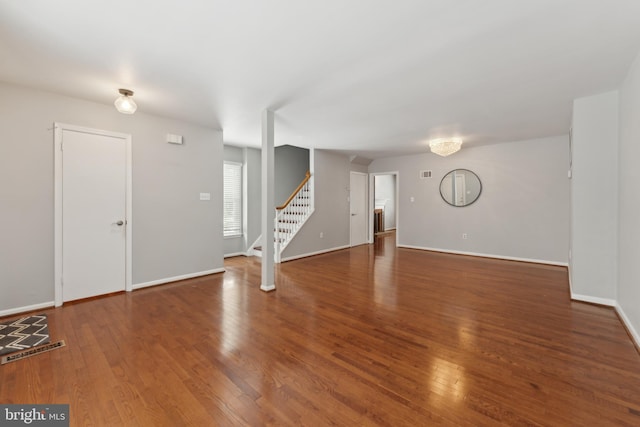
x: 508, y: 258
x: 594, y: 300
x: 177, y: 278
x: 10, y: 311
x: 634, y: 334
x: 570, y: 280
x: 324, y: 251
x: 235, y: 254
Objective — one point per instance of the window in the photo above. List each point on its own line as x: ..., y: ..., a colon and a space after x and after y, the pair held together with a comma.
x: 232, y: 199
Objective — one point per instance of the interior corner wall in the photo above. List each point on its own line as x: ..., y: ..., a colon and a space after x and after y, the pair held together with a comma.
x: 331, y: 215
x: 594, y: 198
x: 174, y: 233
x: 522, y: 212
x: 253, y: 163
x: 628, y: 291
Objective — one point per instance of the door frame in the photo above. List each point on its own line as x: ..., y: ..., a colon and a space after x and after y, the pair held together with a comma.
x: 372, y: 201
x: 57, y: 150
x: 459, y: 178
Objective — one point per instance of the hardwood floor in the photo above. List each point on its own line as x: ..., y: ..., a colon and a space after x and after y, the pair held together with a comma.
x: 372, y: 335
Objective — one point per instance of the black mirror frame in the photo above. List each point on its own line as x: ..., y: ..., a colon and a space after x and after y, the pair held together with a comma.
x: 468, y: 204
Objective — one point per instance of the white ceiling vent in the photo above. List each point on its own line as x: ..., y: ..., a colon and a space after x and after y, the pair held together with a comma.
x: 425, y: 174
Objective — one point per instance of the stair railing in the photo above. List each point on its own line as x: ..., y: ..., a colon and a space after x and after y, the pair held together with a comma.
x: 291, y: 215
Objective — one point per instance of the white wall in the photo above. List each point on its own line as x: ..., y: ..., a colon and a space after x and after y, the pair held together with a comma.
x: 291, y: 164
x: 331, y: 216
x: 594, y: 193
x: 253, y: 192
x: 232, y: 153
x: 628, y: 295
x: 522, y: 213
x: 355, y: 167
x: 174, y: 233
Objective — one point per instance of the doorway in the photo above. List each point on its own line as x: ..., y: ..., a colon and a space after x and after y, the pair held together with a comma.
x: 384, y: 209
x: 92, y: 212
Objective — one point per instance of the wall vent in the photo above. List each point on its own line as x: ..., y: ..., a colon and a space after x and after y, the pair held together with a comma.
x: 425, y: 174
x: 174, y: 139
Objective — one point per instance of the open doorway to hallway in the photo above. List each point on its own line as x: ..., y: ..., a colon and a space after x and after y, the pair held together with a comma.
x: 385, y: 204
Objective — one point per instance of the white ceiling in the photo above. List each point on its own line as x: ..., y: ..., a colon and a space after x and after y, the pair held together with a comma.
x: 369, y: 77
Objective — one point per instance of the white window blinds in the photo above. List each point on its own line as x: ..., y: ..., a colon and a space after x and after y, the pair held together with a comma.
x: 232, y: 199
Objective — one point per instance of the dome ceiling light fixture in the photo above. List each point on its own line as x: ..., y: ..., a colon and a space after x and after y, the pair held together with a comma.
x: 445, y: 146
x: 125, y: 103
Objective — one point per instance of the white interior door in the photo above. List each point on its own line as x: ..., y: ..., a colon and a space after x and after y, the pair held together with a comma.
x: 460, y: 190
x: 94, y: 184
x: 358, y: 202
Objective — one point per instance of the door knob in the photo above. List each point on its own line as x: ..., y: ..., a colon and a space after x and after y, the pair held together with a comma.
x: 119, y: 223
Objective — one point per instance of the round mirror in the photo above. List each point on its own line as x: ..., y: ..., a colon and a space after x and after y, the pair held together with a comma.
x: 460, y: 187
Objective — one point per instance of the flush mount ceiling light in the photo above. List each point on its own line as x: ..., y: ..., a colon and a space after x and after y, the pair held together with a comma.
x: 125, y: 103
x: 445, y: 146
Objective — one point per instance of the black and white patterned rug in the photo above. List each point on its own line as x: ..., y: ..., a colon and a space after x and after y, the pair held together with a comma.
x: 23, y: 333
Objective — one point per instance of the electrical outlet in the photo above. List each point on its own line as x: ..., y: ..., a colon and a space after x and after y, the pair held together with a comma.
x: 465, y: 236
x: 321, y: 234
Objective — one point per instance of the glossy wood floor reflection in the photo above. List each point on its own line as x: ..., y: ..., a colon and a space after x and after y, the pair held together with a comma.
x: 372, y: 335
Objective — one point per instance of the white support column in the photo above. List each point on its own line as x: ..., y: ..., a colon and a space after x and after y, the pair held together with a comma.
x: 312, y: 180
x: 268, y: 203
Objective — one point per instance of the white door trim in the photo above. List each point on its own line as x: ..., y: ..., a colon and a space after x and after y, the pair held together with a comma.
x: 372, y: 202
x: 57, y: 141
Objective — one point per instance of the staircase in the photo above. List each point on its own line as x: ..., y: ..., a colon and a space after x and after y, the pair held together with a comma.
x: 290, y: 217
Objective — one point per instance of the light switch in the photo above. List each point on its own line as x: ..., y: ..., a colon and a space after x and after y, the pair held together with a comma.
x: 205, y: 196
